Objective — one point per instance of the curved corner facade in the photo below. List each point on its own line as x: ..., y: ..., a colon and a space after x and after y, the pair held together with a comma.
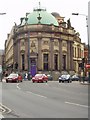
x: 53, y: 46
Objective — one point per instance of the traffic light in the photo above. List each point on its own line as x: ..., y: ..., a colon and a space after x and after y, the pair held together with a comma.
x: 81, y: 65
x: 83, y: 60
x: 16, y: 65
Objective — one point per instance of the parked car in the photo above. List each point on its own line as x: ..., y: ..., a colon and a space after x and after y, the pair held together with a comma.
x: 40, y: 78
x: 50, y: 77
x: 14, y: 77
x: 75, y: 78
x: 86, y: 79
x: 65, y: 78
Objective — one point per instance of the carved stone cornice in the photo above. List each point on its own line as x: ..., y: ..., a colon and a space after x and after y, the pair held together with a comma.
x: 45, y: 50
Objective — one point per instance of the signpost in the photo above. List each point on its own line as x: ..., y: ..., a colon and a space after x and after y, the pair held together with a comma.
x: 0, y: 72
x: 89, y: 38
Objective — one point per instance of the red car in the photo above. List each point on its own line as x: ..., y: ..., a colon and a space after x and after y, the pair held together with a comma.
x: 40, y: 78
x: 14, y: 77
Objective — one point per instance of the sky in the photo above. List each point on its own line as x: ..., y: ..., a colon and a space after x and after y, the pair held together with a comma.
x: 15, y: 9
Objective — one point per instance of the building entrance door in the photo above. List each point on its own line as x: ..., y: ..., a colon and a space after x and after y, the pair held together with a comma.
x: 33, y: 66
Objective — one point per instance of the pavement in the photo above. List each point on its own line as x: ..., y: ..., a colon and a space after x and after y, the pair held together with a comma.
x: 85, y: 83
x: 81, y: 82
x: 1, y: 110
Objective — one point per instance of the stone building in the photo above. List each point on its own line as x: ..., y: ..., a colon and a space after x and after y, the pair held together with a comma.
x: 1, y: 57
x: 1, y: 62
x: 46, y: 41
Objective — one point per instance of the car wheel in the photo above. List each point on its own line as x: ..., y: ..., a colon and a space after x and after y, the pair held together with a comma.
x: 70, y: 81
x: 6, y: 81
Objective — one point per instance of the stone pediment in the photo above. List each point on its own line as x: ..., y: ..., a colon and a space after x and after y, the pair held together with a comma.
x: 56, y: 51
x: 45, y: 50
x: 22, y: 51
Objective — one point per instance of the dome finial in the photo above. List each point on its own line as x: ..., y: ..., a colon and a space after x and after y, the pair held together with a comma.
x: 39, y: 5
x: 39, y: 18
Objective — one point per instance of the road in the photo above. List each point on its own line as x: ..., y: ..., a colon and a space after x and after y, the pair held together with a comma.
x: 45, y: 100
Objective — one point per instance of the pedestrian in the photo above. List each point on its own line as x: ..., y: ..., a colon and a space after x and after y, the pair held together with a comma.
x: 19, y: 78
x: 25, y: 76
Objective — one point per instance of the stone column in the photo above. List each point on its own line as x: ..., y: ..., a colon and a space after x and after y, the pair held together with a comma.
x: 60, y: 55
x: 18, y: 55
x: 51, y: 60
x: 26, y: 54
x: 39, y: 61
x: 68, y: 55
x: 71, y: 57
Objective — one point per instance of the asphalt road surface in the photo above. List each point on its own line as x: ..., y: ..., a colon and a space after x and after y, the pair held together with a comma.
x: 44, y: 100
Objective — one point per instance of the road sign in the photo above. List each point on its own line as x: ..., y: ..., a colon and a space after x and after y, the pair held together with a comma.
x: 87, y: 65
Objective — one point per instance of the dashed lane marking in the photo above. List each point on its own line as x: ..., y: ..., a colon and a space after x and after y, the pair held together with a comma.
x: 31, y: 92
x: 76, y: 104
x: 36, y: 94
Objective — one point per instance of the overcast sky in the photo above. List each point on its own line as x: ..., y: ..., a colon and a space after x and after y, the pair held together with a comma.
x: 15, y: 9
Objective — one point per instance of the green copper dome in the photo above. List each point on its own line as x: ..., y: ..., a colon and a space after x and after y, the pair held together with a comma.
x: 46, y: 18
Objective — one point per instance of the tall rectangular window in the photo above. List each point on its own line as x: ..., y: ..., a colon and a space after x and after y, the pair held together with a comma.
x: 64, y: 62
x: 75, y: 52
x: 56, y: 62
x: 45, y: 61
x: 23, y: 62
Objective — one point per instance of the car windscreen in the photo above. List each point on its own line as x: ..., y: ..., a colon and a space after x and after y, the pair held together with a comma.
x: 65, y: 76
x: 37, y: 75
x: 13, y: 75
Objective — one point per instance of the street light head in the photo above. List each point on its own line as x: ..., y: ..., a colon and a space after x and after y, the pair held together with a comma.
x: 2, y: 13
x: 75, y: 13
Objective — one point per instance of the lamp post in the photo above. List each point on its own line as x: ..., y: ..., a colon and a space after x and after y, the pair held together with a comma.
x: 2, y: 13
x: 29, y: 68
x: 88, y: 40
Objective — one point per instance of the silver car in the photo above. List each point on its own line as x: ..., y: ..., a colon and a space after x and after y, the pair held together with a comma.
x: 65, y: 78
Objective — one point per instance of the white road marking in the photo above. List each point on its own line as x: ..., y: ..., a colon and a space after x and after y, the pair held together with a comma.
x: 3, y: 106
x: 3, y: 110
x: 76, y: 104
x: 31, y: 92
x: 18, y: 86
x: 36, y: 94
x: 1, y: 116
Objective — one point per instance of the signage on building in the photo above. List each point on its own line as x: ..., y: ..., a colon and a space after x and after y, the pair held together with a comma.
x: 87, y: 67
x: 89, y: 30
